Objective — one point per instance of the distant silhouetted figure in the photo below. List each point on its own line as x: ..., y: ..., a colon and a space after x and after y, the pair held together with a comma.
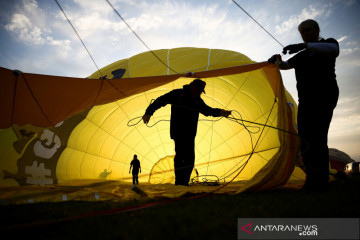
x: 135, y: 165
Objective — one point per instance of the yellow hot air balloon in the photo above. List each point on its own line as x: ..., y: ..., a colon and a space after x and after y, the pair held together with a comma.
x: 93, y: 130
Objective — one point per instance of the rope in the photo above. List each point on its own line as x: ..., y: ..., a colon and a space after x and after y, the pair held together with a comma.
x: 14, y: 96
x: 102, y: 76
x: 205, y: 180
x: 36, y: 100
x: 79, y: 37
x: 138, y: 37
x: 257, y: 22
x: 130, y: 124
x: 240, y: 121
x: 252, y: 144
x: 253, y: 151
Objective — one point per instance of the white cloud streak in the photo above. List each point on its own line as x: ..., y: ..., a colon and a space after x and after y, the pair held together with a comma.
x: 343, y: 38
x: 307, y: 13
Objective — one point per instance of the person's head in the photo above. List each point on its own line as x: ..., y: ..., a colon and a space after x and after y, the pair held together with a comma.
x: 309, y: 30
x: 197, y: 87
x: 135, y: 156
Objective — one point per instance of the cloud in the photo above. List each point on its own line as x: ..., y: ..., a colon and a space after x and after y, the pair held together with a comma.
x: 348, y: 61
x: 22, y: 27
x: 311, y: 12
x: 344, y: 132
x: 28, y: 25
x: 348, y: 109
x: 342, y: 39
x: 174, y: 24
x: 18, y: 21
x: 165, y: 24
x: 349, y: 51
x: 161, y: 25
x: 94, y: 6
x: 346, y: 119
x: 30, y: 6
x: 26, y: 32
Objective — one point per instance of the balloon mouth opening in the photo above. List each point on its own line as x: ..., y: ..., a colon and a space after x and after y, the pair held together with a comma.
x: 107, y: 142
x: 99, y: 144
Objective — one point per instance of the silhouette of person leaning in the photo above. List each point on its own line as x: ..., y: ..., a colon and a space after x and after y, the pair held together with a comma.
x: 135, y: 165
x: 186, y: 104
x: 104, y: 174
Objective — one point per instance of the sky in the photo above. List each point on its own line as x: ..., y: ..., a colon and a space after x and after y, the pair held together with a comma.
x: 35, y: 37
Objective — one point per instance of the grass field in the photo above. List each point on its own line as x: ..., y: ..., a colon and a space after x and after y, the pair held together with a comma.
x: 190, y: 217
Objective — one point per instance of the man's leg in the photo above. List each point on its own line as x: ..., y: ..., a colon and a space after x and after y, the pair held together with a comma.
x: 314, y: 122
x: 189, y: 160
x: 179, y: 161
x: 322, y: 158
x: 184, y: 160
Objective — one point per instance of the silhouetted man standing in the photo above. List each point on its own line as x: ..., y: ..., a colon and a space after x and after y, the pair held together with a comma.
x: 318, y: 92
x: 186, y: 104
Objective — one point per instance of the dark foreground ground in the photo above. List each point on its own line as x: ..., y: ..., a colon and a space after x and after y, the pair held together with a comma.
x: 210, y: 217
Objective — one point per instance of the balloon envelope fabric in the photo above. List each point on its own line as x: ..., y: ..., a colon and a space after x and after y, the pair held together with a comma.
x: 97, y: 130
